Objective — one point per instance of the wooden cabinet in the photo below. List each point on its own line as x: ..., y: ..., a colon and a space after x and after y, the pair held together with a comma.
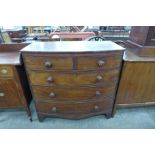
x: 14, y: 88
x: 73, y: 79
x: 136, y: 86
x: 137, y: 82
x: 9, y: 94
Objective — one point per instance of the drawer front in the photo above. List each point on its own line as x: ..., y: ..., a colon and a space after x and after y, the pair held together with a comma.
x: 102, y: 62
x: 70, y: 94
x: 9, y: 94
x: 49, y: 63
x: 73, y: 79
x: 6, y: 71
x: 73, y: 108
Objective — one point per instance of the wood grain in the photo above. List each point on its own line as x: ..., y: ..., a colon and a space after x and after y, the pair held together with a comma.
x: 137, y: 84
x: 72, y: 94
x: 73, y: 79
x: 82, y: 81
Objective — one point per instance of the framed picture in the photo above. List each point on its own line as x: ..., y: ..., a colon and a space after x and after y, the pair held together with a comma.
x: 6, y: 38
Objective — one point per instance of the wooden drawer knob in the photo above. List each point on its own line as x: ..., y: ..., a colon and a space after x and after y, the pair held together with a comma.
x: 96, y: 107
x: 100, y: 63
x: 4, y: 71
x: 50, y: 79
x: 54, y: 109
x: 2, y: 94
x: 48, y: 64
x: 98, y: 93
x: 99, y: 78
x: 51, y: 95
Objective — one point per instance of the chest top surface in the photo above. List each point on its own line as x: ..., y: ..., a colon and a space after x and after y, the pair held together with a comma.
x: 73, y: 46
x: 10, y: 53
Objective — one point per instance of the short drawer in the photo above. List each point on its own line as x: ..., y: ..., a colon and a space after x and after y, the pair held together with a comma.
x: 70, y: 94
x: 74, y: 108
x: 73, y: 79
x: 6, y: 71
x: 100, y: 62
x: 49, y: 62
x: 9, y: 93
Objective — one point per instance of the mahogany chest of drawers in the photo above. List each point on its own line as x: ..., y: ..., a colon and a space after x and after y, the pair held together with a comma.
x: 14, y: 88
x: 73, y: 79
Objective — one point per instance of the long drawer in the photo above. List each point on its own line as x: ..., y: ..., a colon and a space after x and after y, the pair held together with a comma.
x: 73, y: 79
x: 73, y: 108
x: 72, y: 93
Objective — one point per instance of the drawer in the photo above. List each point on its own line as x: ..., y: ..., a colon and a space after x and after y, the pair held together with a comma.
x: 6, y: 71
x: 49, y: 62
x: 70, y: 94
x: 73, y: 79
x: 100, y: 62
x: 9, y: 94
x: 74, y: 108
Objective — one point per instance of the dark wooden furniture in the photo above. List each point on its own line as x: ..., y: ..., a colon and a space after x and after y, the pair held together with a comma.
x: 143, y: 35
x: 73, y: 79
x: 16, y: 33
x: 16, y: 36
x: 137, y: 82
x: 14, y: 88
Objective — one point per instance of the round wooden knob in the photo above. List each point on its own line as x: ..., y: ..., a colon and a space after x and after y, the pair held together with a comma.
x: 100, y: 63
x: 96, y: 107
x: 48, y: 64
x: 99, y: 78
x: 4, y: 71
x: 52, y: 95
x: 54, y: 109
x: 98, y: 93
x: 50, y: 79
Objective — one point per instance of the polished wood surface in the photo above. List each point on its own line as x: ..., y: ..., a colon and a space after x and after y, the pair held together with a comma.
x: 9, y: 94
x: 53, y: 63
x: 73, y: 93
x: 72, y: 47
x: 10, y: 54
x: 133, y: 57
x: 99, y: 62
x: 14, y: 88
x: 137, y: 84
x: 73, y: 108
x: 71, y: 79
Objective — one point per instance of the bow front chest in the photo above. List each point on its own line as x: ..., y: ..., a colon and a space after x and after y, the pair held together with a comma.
x: 73, y: 79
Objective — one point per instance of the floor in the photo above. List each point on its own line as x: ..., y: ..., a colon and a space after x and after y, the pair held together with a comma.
x: 130, y: 118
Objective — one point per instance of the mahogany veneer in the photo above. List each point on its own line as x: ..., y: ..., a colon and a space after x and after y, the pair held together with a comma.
x: 73, y: 79
x: 14, y: 88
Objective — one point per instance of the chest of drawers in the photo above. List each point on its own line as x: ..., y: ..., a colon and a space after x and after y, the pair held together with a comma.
x: 73, y: 79
x: 14, y: 88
